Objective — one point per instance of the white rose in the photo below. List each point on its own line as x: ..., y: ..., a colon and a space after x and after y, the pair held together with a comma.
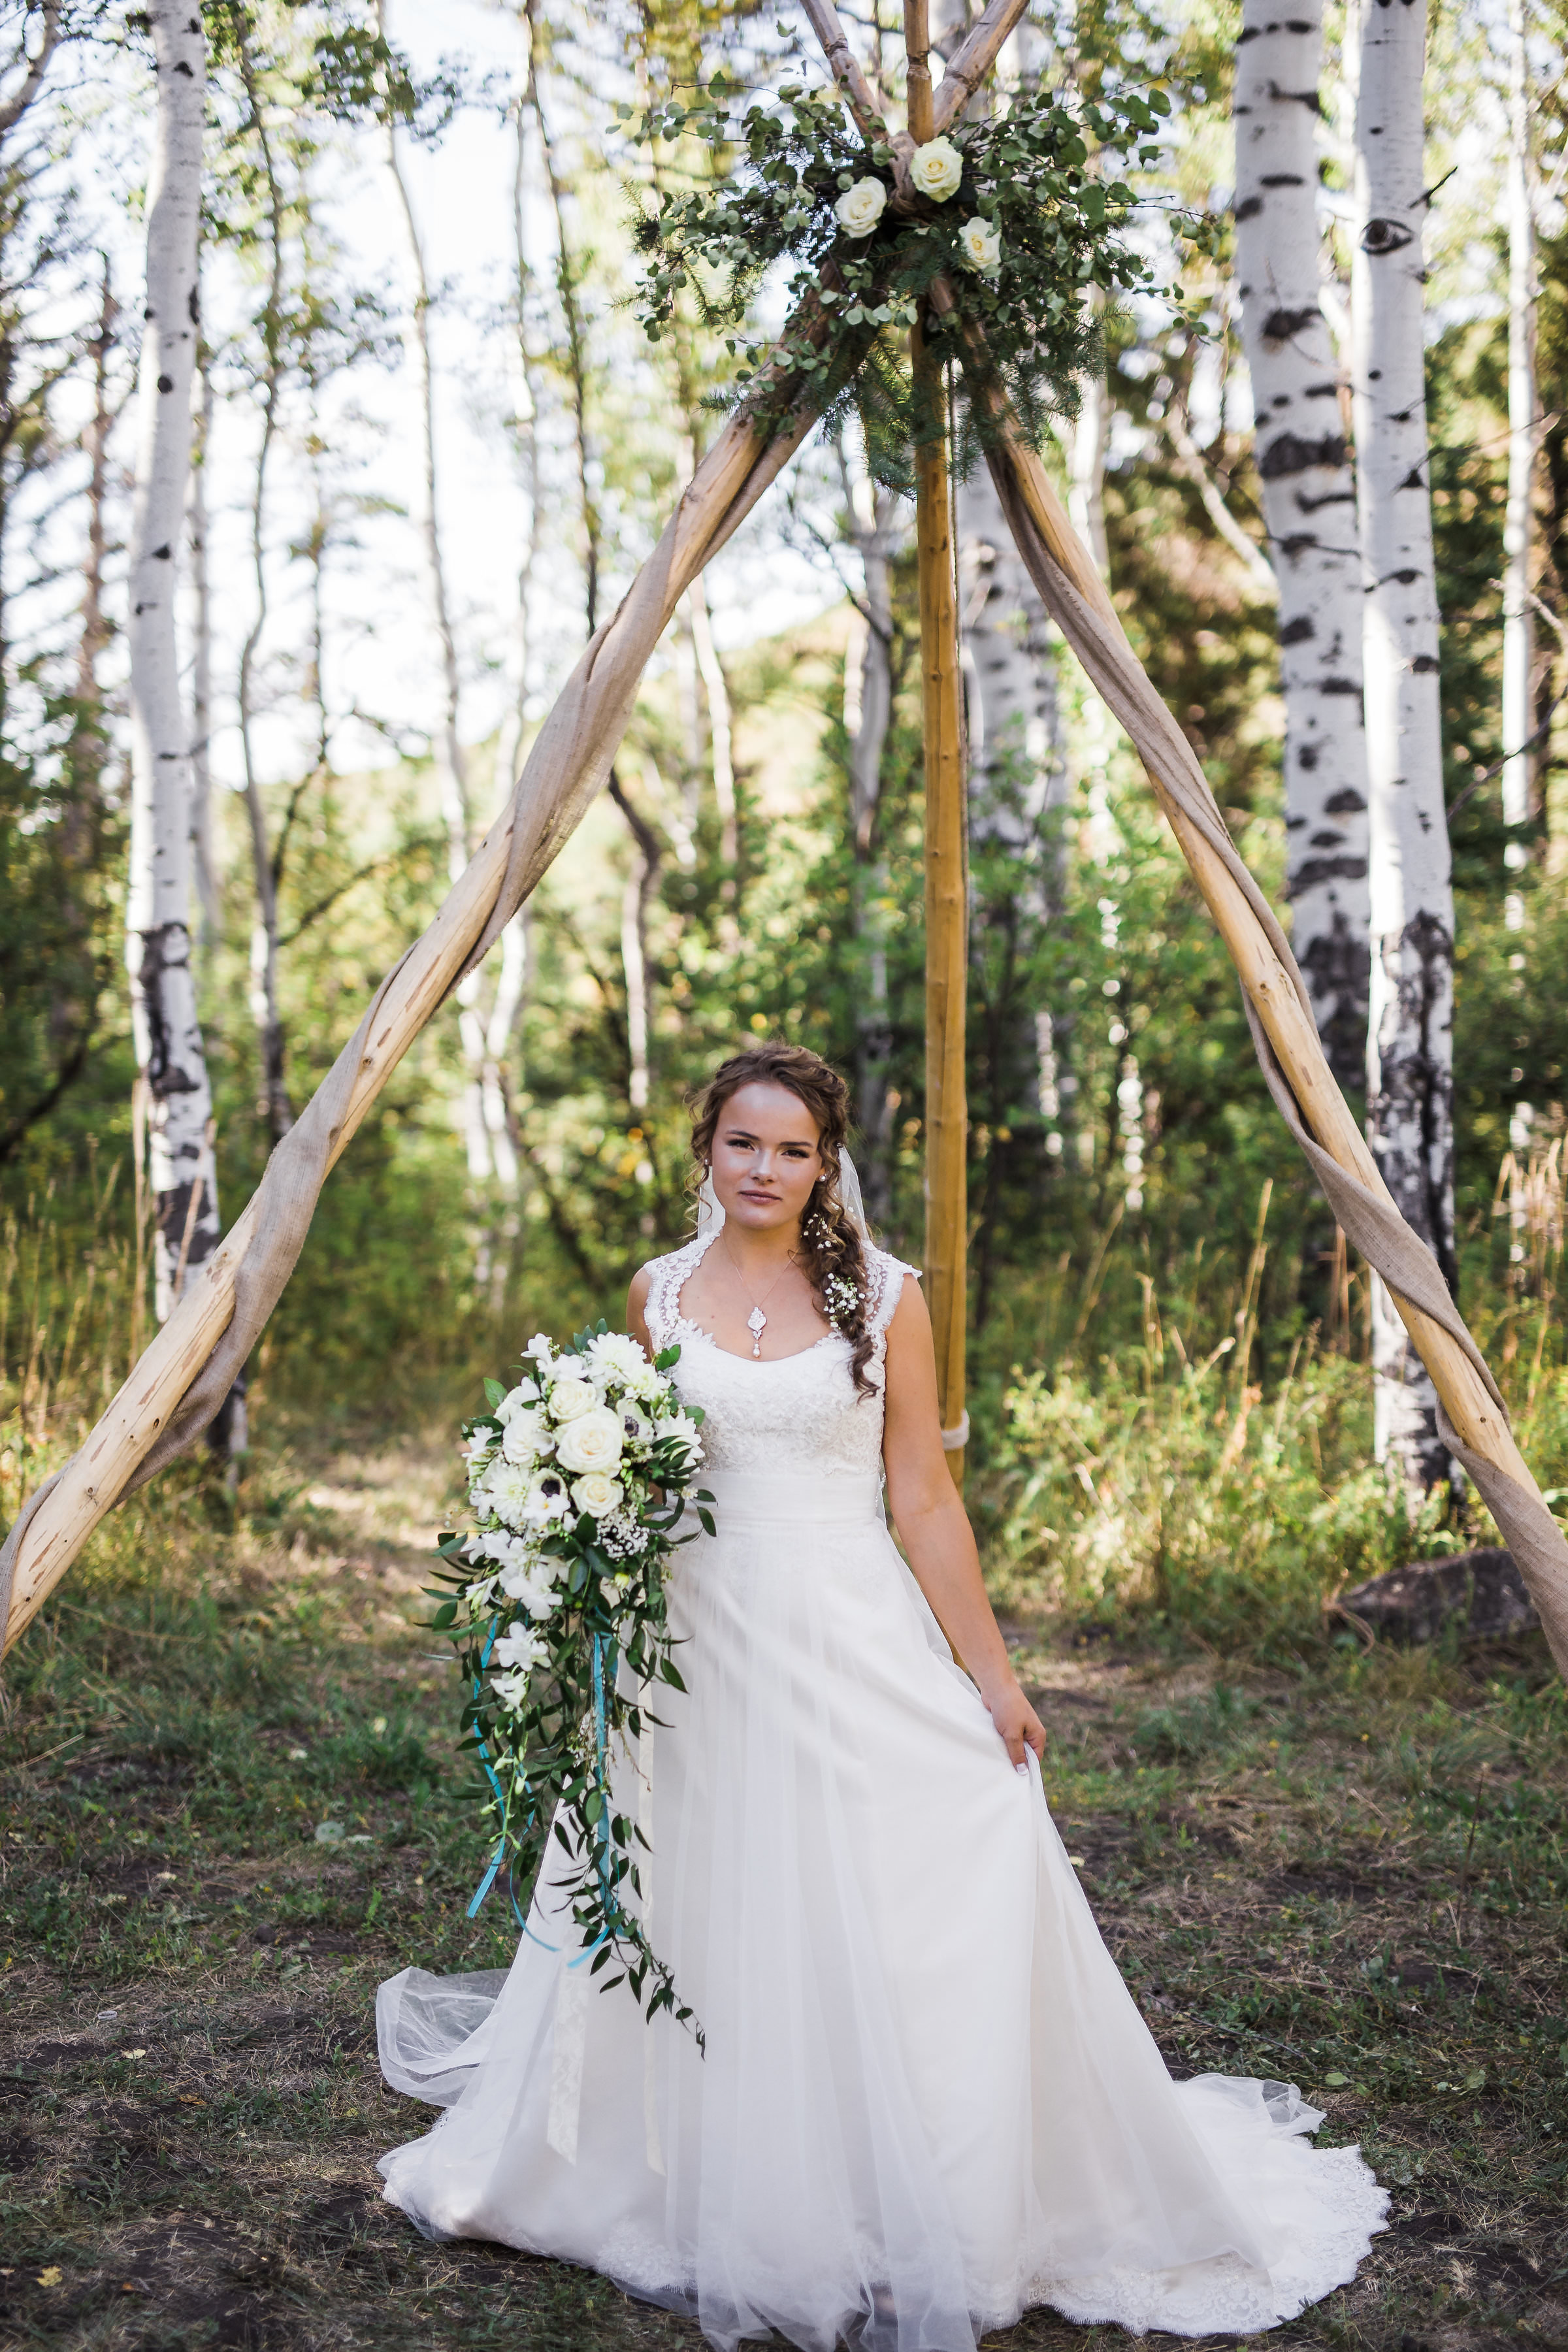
x: 981, y: 244
x: 591, y: 1442
x: 519, y: 1648
x: 859, y: 208
x: 597, y: 1492
x: 504, y: 1489
x: 526, y: 1438
x: 570, y: 1397
x: 936, y: 169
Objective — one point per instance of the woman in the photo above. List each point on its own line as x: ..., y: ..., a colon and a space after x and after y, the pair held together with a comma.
x: 927, y: 2100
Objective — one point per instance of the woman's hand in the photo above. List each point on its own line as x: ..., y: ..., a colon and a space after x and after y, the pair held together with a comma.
x: 1016, y: 1723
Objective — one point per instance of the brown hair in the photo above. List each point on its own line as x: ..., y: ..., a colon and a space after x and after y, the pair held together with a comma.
x: 831, y: 1249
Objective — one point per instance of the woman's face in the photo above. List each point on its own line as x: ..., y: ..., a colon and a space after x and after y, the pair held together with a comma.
x: 766, y: 1157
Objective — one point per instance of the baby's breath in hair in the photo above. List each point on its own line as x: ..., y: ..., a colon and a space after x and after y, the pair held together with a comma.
x: 840, y: 1298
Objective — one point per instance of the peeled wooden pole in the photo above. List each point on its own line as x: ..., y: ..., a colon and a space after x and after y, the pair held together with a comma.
x: 947, y: 937
x: 946, y: 897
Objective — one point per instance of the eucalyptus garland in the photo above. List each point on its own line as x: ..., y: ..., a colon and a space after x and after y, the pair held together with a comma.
x: 1008, y: 211
x: 579, y: 1475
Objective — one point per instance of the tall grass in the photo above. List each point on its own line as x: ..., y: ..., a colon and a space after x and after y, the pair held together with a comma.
x: 1145, y: 1477
x: 1149, y: 1442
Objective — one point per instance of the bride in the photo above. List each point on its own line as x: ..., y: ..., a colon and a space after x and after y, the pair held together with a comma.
x: 926, y: 2100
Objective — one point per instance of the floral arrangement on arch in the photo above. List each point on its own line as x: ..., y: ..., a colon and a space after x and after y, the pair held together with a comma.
x: 1008, y: 211
x: 578, y: 1477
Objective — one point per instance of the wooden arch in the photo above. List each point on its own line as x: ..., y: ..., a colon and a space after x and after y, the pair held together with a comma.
x: 184, y: 1374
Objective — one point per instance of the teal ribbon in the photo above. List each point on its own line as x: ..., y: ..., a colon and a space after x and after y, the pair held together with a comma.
x: 488, y: 1880
x: 601, y: 1828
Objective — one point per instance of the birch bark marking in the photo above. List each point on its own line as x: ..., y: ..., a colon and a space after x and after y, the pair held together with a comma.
x: 1518, y: 614
x: 1410, y: 1077
x: 167, y: 1036
x: 1309, y: 504
x: 1522, y: 427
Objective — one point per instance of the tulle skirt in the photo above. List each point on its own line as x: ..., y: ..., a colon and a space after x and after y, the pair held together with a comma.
x: 928, y: 2100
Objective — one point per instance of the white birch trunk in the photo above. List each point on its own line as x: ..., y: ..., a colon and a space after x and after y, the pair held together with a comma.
x: 1017, y: 762
x: 720, y: 726
x: 264, y: 942
x: 876, y: 520
x: 1086, y: 469
x: 1518, y: 634
x: 1517, y: 616
x: 447, y: 743
x: 168, y: 1040
x: 202, y: 850
x: 1309, y: 504
x: 1410, y: 1088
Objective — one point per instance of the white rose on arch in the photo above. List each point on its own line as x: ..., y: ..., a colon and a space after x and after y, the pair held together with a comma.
x: 981, y: 244
x: 936, y: 169
x: 859, y: 208
x: 592, y: 1442
x: 597, y: 1492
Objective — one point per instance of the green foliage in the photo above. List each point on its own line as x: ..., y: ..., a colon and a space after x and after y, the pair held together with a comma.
x: 579, y: 1590
x: 1048, y: 228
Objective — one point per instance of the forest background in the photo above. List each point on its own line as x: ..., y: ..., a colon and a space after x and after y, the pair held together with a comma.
x: 432, y: 445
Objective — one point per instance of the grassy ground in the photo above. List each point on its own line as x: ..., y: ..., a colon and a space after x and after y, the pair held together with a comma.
x: 1351, y: 1874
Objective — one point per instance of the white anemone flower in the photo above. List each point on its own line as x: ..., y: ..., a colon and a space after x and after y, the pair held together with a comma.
x: 547, y: 1499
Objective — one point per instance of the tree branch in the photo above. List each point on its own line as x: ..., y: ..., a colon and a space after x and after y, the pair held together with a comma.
x: 12, y: 111
x: 974, y: 61
x: 825, y: 22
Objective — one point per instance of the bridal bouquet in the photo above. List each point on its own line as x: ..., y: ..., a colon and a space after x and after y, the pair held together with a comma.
x: 578, y: 1476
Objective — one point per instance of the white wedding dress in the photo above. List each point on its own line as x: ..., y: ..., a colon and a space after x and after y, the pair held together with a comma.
x: 928, y: 2100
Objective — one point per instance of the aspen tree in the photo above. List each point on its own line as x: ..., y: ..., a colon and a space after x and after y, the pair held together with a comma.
x: 1518, y: 613
x: 1410, y: 1076
x: 1309, y: 504
x: 171, y: 1062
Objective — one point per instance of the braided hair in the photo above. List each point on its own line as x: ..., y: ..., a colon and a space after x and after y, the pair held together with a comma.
x: 832, y: 1255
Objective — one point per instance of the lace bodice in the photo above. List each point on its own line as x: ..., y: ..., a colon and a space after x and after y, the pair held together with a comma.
x: 787, y: 1413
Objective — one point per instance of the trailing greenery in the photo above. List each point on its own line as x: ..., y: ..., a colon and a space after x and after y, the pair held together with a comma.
x: 578, y: 1477
x: 1007, y: 213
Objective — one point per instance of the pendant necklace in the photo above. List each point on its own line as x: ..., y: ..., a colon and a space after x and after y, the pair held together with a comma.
x: 756, y: 1321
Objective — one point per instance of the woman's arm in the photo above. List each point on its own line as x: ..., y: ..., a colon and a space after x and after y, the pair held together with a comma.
x: 935, y: 1529
x: 636, y: 1311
